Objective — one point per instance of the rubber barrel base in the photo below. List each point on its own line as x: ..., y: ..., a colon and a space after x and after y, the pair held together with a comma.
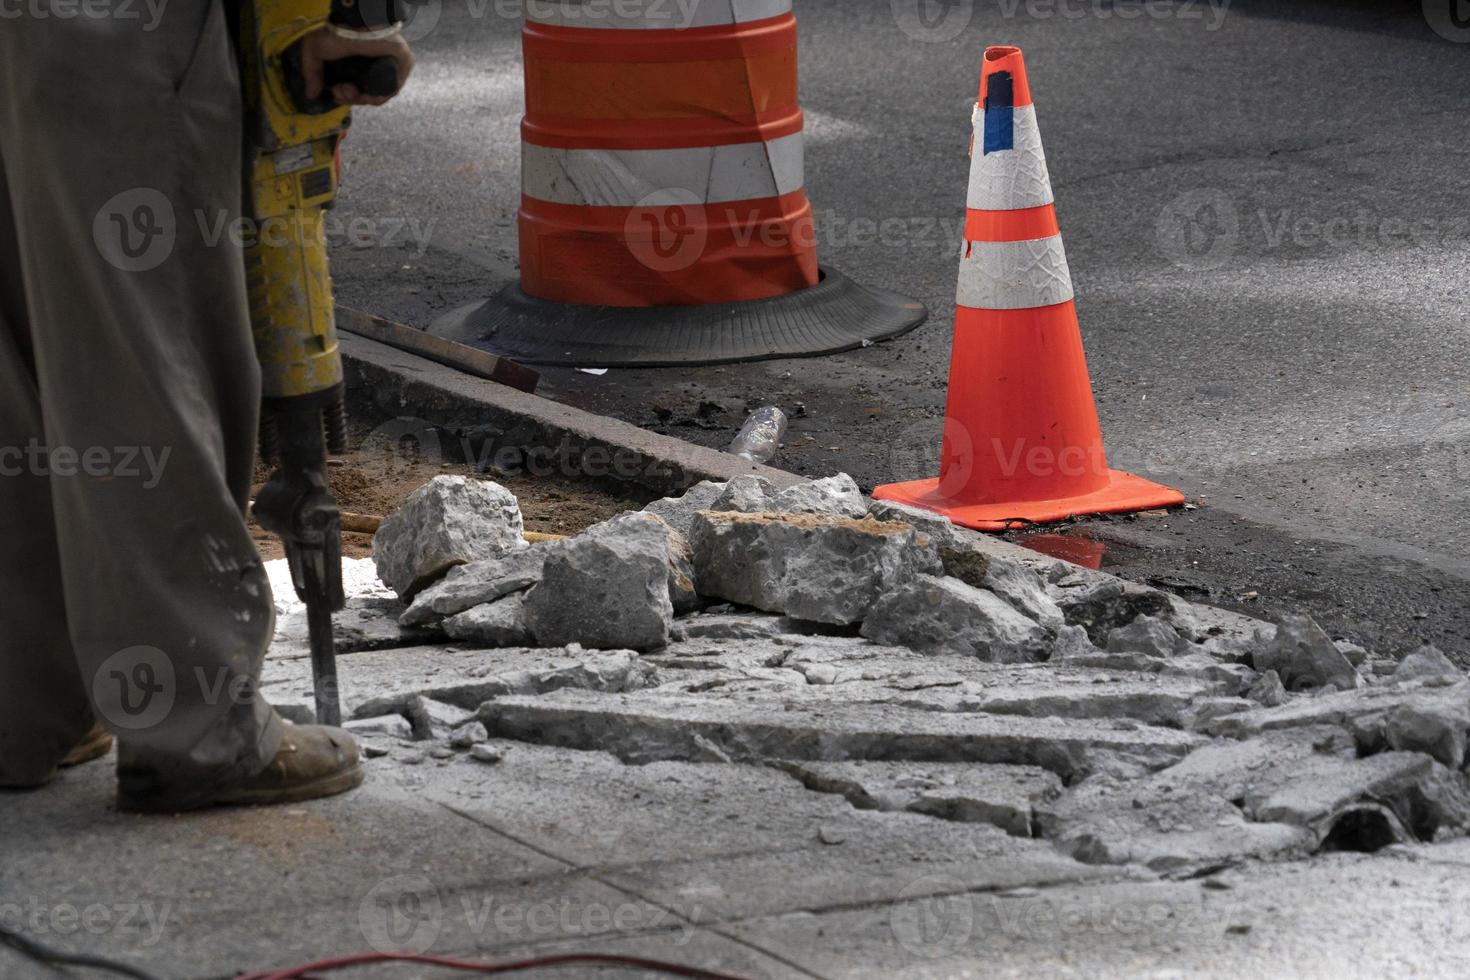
x: 835, y: 315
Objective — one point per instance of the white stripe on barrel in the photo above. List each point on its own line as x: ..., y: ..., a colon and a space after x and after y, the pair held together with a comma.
x: 1013, y: 275
x: 626, y: 178
x: 652, y: 14
x: 1006, y: 180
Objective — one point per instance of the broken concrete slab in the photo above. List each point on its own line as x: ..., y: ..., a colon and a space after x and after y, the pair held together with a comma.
x: 609, y: 587
x: 1229, y: 679
x: 944, y: 615
x: 837, y: 496
x: 1002, y: 796
x: 826, y: 569
x: 382, y: 682
x: 502, y: 623
x: 368, y: 622
x: 678, y: 512
x: 1286, y: 791
x: 1197, y: 715
x: 1305, y: 657
x: 451, y: 520
x: 1189, y: 814
x: 474, y: 584
x: 656, y: 726
x: 1362, y: 712
x: 1318, y: 791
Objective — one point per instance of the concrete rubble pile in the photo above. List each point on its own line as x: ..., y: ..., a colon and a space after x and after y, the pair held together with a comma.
x: 883, y: 655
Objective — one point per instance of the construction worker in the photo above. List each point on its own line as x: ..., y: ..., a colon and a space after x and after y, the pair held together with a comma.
x: 132, y: 600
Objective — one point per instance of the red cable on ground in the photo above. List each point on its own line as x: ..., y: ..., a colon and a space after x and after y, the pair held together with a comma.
x: 362, y: 959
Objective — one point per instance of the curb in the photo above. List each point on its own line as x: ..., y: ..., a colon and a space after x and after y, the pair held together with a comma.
x: 580, y: 444
x: 540, y: 436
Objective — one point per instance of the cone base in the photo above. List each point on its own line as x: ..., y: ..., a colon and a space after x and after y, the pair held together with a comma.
x: 1123, y: 494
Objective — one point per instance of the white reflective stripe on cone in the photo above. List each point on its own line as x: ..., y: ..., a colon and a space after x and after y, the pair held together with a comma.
x: 1013, y: 275
x: 652, y: 14
x: 627, y: 178
x: 1007, y: 180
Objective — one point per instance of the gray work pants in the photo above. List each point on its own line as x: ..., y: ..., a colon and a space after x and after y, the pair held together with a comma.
x: 130, y: 592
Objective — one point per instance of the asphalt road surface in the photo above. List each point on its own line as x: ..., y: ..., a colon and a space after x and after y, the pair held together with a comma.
x: 1265, y: 210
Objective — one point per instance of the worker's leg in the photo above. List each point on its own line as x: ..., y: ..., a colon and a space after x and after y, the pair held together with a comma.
x: 125, y: 180
x: 43, y: 704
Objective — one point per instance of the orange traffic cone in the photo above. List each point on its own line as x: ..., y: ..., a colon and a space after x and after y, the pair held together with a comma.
x: 1021, y: 439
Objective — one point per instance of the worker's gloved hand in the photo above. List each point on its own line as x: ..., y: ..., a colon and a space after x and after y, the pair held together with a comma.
x: 325, y: 44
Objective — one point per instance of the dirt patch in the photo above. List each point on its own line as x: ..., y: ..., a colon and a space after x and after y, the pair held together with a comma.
x: 375, y: 483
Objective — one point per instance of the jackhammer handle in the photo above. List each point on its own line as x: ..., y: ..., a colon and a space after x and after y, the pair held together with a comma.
x: 371, y: 76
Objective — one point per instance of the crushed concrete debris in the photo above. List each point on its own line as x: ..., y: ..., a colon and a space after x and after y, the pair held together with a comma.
x: 1305, y: 657
x: 944, y: 615
x: 826, y: 569
x: 916, y: 670
x: 449, y: 521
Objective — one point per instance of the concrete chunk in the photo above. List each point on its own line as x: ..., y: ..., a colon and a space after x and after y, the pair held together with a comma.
x: 1426, y: 663
x: 1436, y: 728
x: 1025, y: 591
x: 610, y: 587
x: 678, y: 512
x: 1305, y: 657
x: 826, y: 569
x: 944, y: 615
x: 744, y: 495
x: 501, y: 623
x: 1101, y: 603
x: 475, y: 584
x: 449, y: 521
x: 1148, y: 635
x: 837, y: 496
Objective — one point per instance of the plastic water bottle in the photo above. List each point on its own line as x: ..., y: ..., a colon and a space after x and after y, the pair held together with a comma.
x: 761, y: 435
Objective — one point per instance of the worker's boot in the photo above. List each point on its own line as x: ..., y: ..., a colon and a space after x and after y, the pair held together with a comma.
x: 313, y: 761
x: 96, y: 744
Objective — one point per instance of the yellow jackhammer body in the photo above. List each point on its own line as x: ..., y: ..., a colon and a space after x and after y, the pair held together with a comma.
x: 291, y: 176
